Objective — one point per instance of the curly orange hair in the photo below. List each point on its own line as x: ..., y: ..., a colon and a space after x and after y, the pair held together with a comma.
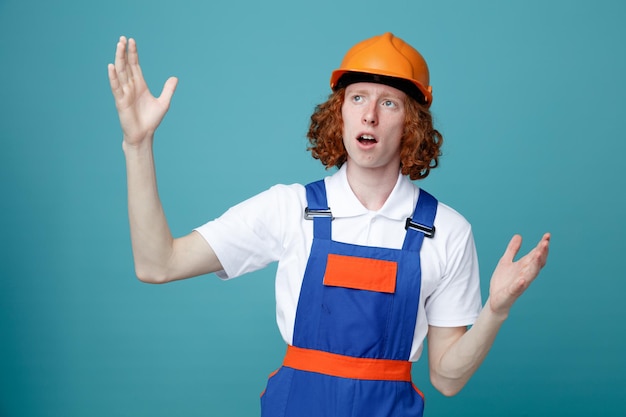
x: 420, y: 147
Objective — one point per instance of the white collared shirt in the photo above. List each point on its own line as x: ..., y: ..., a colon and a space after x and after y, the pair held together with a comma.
x: 270, y: 227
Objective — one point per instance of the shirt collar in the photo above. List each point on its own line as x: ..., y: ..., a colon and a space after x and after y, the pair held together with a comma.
x: 343, y: 203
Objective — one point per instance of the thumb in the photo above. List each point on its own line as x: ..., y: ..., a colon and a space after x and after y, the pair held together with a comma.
x: 168, y: 90
x: 512, y: 248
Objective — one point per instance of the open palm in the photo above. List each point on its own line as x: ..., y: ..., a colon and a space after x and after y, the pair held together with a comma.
x: 511, y: 278
x: 139, y: 111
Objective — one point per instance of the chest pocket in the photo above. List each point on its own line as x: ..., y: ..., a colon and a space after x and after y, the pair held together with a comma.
x: 359, y: 273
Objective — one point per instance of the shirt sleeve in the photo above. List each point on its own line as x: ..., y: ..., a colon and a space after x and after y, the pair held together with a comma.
x: 249, y: 236
x: 457, y: 300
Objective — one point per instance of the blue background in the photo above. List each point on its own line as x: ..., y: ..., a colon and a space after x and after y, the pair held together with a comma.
x: 528, y: 94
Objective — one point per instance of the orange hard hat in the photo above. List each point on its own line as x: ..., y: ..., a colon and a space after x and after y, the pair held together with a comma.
x: 385, y: 59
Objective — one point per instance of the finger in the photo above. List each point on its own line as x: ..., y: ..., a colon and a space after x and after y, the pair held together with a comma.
x: 543, y: 243
x: 543, y: 248
x: 121, y: 61
x: 535, y: 260
x: 133, y: 60
x: 115, y: 83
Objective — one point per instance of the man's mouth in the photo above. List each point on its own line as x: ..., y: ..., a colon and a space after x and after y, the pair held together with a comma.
x: 366, y: 139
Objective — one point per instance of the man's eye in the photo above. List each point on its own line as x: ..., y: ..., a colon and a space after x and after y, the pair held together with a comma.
x: 388, y: 103
x: 357, y: 98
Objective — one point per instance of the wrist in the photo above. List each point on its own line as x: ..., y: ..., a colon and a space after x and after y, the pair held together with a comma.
x: 134, y: 145
x: 498, y: 315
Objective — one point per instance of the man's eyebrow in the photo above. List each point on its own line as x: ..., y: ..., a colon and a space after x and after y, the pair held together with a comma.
x: 391, y: 94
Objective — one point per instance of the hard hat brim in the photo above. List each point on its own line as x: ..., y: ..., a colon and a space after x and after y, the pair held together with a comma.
x: 344, y: 77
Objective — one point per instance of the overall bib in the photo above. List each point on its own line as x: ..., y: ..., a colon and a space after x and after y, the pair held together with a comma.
x: 354, y: 325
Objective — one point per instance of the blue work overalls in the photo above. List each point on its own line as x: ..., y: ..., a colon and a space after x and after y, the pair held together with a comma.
x: 354, y: 325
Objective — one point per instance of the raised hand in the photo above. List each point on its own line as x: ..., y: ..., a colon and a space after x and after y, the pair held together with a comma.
x: 139, y: 111
x: 511, y: 278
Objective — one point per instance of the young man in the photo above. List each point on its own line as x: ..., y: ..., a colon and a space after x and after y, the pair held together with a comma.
x: 368, y: 264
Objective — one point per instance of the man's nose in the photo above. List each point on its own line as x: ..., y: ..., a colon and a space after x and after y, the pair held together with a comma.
x: 370, y: 116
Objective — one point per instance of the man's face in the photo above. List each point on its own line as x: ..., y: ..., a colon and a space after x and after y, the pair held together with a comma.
x: 373, y: 123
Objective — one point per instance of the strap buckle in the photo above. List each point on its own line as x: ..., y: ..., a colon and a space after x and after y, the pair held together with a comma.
x: 428, y: 231
x: 310, y: 214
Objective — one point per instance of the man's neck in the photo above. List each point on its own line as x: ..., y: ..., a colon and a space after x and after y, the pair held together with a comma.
x: 372, y: 187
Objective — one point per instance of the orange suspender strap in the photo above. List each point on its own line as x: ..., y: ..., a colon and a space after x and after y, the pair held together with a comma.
x: 347, y: 366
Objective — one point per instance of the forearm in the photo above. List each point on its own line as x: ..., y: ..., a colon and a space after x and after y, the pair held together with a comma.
x: 456, y: 365
x: 151, y: 239
x: 455, y: 354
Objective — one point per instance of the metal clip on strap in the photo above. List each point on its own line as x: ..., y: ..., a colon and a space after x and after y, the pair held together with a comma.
x: 428, y: 231
x: 310, y: 214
